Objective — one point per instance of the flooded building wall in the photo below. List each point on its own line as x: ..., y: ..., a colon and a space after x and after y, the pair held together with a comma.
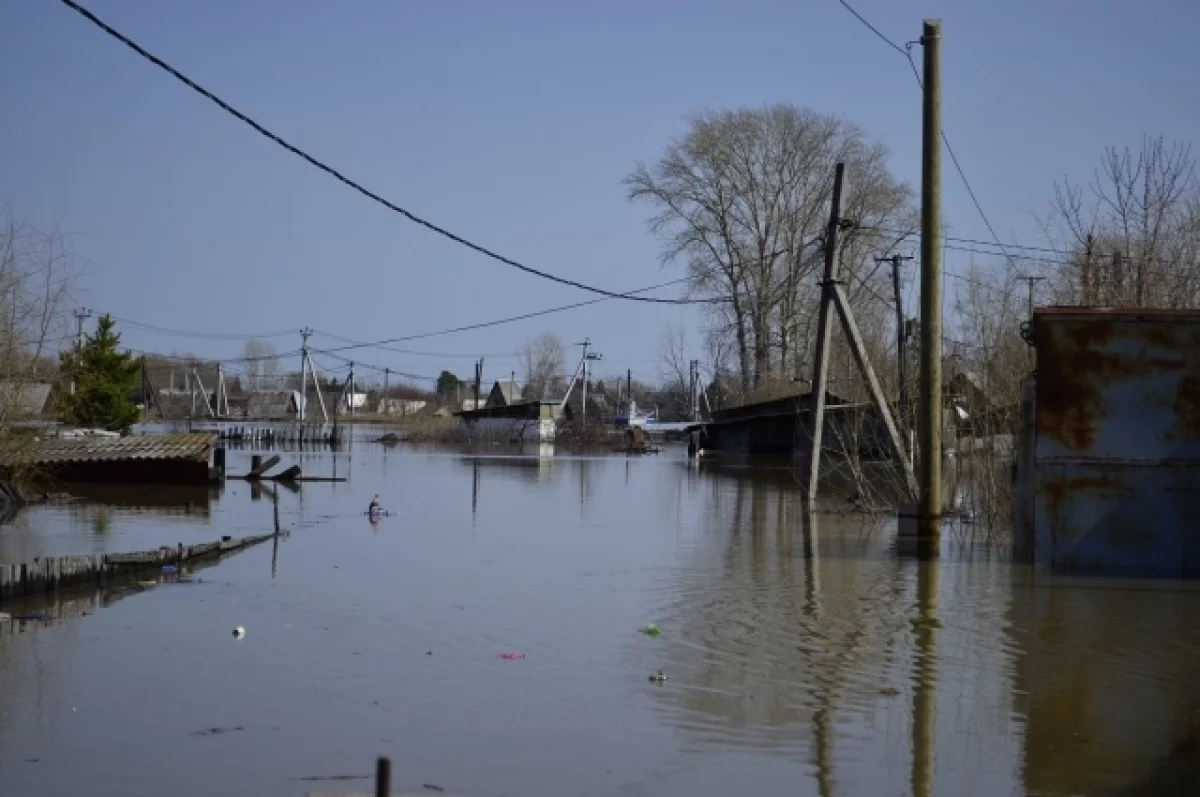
x: 1111, y: 478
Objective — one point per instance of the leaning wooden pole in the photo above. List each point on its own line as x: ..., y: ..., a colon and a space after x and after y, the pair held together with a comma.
x: 930, y: 420
x: 820, y: 379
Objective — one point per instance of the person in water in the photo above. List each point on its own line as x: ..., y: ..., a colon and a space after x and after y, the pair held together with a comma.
x: 375, y: 507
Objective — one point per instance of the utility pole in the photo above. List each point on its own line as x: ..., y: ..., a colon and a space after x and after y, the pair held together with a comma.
x: 80, y: 315
x: 901, y: 332
x: 1030, y: 281
x: 304, y: 336
x: 1087, y: 276
x: 824, y: 333
x: 833, y: 298
x: 583, y: 403
x: 694, y: 389
x: 1139, y: 276
x: 386, y: 406
x: 349, y: 389
x: 930, y: 507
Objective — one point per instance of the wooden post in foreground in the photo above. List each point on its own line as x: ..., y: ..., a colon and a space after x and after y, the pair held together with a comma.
x: 930, y: 415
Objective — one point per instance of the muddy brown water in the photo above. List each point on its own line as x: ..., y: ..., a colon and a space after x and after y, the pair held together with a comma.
x: 801, y: 658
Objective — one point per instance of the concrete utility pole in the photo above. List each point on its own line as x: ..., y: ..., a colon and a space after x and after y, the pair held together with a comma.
x: 583, y: 403
x: 80, y: 315
x: 833, y: 297
x: 824, y: 332
x: 930, y: 420
x: 349, y: 390
x: 305, y: 334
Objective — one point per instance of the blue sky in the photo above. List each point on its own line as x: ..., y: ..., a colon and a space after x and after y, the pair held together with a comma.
x: 512, y: 124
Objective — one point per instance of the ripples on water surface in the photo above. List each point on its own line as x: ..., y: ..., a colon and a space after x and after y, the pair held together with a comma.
x: 802, y: 658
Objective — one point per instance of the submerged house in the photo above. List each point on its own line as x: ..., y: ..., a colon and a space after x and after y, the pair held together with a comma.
x: 1107, y: 474
x: 781, y: 427
x: 505, y: 415
x: 150, y: 459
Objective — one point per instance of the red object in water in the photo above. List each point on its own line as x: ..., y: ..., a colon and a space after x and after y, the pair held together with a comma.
x: 512, y: 656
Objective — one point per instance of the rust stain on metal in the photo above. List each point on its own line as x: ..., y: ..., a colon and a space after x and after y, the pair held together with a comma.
x: 1074, y: 368
x: 1056, y: 490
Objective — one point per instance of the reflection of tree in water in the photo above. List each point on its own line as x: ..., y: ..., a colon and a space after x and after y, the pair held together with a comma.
x: 1108, y: 684
x: 780, y: 623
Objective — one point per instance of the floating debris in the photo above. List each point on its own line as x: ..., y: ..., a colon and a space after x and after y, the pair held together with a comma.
x: 239, y: 632
x: 649, y: 630
x: 889, y: 691
x: 432, y: 787
x: 512, y: 656
x: 218, y: 731
x: 658, y: 677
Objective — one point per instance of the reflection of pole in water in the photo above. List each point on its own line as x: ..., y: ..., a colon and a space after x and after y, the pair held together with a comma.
x: 275, y: 542
x: 924, y: 713
x: 474, y: 489
x: 812, y: 583
x: 822, y: 718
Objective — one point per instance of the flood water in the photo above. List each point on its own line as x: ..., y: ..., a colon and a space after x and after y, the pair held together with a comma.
x: 803, y: 655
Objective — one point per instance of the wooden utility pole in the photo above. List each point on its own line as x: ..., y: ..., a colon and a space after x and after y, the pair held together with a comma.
x: 1031, y: 281
x: 386, y: 406
x: 1087, y: 276
x: 80, y: 315
x: 901, y: 331
x: 930, y: 416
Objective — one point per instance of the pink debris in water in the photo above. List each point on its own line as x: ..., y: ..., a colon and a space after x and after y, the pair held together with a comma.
x: 512, y: 656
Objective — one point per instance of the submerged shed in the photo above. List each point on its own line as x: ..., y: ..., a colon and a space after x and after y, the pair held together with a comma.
x: 149, y: 459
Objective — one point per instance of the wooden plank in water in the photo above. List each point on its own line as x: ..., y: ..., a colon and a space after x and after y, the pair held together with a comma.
x: 266, y: 465
x: 289, y: 475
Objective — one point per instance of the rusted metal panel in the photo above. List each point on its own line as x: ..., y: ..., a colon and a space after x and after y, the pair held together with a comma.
x: 1119, y: 517
x: 1116, y: 472
x: 1118, y: 385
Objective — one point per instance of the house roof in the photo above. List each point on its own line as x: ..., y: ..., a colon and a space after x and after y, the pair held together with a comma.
x: 55, y: 451
x: 22, y: 399
x: 272, y: 402
x: 508, y: 390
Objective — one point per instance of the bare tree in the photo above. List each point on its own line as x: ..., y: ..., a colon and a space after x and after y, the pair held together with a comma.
x: 37, y: 271
x: 675, y: 371
x: 542, y: 361
x: 743, y: 199
x: 1133, y: 236
x: 261, y: 362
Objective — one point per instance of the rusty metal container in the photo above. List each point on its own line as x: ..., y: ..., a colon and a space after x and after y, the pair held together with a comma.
x: 1116, y: 453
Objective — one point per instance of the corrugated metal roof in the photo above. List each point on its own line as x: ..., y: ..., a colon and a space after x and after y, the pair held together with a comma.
x: 99, y: 449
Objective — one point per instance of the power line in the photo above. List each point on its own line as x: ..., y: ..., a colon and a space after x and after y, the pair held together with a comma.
x: 497, y: 322
x: 217, y: 361
x: 410, y: 351
x: 194, y: 86
x: 906, y: 51
x: 873, y: 29
x: 204, y: 335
